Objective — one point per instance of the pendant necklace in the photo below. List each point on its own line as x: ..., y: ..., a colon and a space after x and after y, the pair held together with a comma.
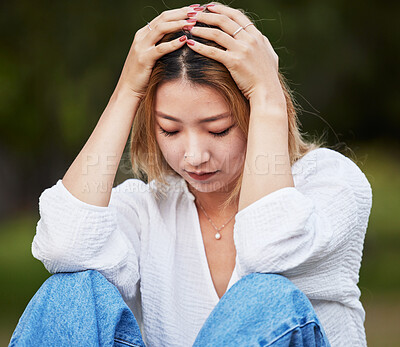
x: 217, y: 235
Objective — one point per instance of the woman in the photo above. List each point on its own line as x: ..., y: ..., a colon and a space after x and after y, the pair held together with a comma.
x: 236, y: 199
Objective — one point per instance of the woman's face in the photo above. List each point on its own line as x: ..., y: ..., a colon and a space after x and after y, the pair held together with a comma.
x: 195, y: 121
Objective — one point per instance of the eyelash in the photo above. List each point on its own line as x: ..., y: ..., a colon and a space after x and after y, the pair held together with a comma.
x: 221, y: 134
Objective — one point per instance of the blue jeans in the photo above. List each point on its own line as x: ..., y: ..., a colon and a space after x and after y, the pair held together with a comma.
x: 84, y: 309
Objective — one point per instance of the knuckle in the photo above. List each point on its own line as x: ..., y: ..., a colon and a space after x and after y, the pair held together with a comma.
x: 245, y: 49
x: 160, y: 27
x: 168, y: 13
x: 213, y: 53
x: 237, y: 13
x: 138, y: 33
x: 160, y: 49
x: 218, y: 34
x: 225, y: 20
x: 141, y: 60
x: 235, y: 61
x: 164, y: 16
x: 252, y: 40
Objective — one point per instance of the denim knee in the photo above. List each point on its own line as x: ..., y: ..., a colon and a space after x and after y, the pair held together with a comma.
x: 271, y: 294
x: 77, y: 309
x: 270, y: 289
x: 263, y: 310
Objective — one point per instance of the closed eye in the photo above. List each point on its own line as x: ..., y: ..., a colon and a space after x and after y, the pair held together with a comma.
x: 221, y: 134
x: 167, y: 133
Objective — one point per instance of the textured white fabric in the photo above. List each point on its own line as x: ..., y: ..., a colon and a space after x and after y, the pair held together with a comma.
x: 152, y: 250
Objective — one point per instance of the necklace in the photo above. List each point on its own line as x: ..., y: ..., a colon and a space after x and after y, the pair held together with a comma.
x: 217, y: 235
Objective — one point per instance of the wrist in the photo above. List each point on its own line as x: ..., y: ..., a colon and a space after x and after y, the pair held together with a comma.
x: 266, y: 106
x: 123, y: 104
x: 124, y: 94
x: 266, y: 98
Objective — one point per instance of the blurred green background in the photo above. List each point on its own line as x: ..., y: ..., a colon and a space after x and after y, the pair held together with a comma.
x: 59, y: 63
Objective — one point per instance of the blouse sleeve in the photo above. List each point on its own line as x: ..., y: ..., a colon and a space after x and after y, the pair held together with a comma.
x: 72, y: 235
x: 294, y: 229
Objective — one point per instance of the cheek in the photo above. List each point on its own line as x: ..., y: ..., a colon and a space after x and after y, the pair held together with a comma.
x: 233, y: 154
x: 237, y: 149
x: 171, y: 156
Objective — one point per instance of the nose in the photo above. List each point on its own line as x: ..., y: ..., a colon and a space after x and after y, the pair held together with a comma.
x: 196, y: 159
x: 197, y: 152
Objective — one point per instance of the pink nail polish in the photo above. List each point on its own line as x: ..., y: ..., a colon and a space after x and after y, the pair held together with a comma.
x: 191, y: 14
x: 187, y: 27
x: 190, y: 42
x: 191, y: 20
x: 210, y: 5
x: 195, y: 5
x: 182, y: 38
x: 201, y: 8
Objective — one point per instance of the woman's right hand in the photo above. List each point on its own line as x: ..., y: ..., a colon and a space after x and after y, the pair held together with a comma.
x: 90, y: 178
x: 144, y: 53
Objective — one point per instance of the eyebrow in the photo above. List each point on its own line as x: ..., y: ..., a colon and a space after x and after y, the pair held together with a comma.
x: 205, y: 120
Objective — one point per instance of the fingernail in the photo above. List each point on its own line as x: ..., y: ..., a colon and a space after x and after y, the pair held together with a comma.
x: 187, y: 27
x: 210, y: 5
x: 191, y: 14
x: 182, y: 38
x: 195, y: 5
x: 191, y: 20
x: 190, y: 42
x: 201, y: 8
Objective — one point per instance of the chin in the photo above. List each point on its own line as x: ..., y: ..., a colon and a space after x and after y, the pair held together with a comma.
x: 209, y: 187
x: 205, y: 187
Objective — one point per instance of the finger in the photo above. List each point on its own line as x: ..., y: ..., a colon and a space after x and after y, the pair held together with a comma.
x: 167, y: 47
x: 216, y: 35
x: 209, y: 51
x: 163, y: 28
x: 236, y: 15
x: 225, y: 23
x: 171, y: 15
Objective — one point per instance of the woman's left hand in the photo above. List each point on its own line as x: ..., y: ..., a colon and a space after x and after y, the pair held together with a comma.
x: 249, y: 55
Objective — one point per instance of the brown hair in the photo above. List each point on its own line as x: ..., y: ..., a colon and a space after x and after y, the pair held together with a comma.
x: 147, y: 160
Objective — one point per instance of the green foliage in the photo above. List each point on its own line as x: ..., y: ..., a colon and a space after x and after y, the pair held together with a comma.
x: 59, y: 62
x: 380, y: 270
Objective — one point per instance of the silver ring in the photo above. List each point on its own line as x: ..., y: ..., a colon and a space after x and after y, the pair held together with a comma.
x: 238, y: 29
x: 148, y: 24
x: 248, y: 25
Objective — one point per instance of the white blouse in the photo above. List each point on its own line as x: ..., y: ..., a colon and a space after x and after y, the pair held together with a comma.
x: 153, y: 252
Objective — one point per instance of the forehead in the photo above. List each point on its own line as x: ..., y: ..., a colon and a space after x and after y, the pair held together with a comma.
x: 185, y: 100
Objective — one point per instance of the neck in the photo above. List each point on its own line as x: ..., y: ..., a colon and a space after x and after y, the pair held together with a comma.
x: 212, y: 202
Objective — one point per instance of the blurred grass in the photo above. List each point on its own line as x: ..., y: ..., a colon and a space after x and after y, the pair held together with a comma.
x: 379, y: 271
x: 21, y: 275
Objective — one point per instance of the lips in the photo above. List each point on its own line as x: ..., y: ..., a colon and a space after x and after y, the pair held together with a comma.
x: 202, y: 173
x: 201, y: 176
